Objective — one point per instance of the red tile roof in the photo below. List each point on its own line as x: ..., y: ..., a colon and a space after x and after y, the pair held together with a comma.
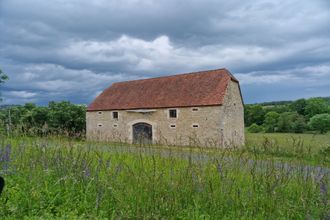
x: 203, y: 88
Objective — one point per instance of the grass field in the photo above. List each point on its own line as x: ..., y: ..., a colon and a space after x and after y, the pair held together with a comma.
x: 310, y: 148
x: 61, y: 178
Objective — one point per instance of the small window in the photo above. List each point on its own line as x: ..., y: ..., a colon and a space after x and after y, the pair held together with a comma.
x: 99, y: 125
x: 172, y: 113
x: 100, y: 113
x: 115, y: 115
x: 115, y: 125
x: 172, y: 126
x: 194, y: 109
x: 195, y: 126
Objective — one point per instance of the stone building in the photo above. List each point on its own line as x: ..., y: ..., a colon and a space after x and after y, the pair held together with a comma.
x: 197, y: 109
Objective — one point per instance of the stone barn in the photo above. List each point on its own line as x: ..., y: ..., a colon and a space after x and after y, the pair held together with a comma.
x: 196, y: 109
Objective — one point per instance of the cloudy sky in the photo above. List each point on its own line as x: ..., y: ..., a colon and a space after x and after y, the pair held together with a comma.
x: 73, y: 49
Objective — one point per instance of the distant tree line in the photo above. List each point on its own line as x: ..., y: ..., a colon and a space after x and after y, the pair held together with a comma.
x: 297, y: 116
x: 63, y: 118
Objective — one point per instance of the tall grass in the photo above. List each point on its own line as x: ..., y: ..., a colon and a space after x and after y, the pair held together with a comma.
x: 309, y: 148
x: 60, y: 178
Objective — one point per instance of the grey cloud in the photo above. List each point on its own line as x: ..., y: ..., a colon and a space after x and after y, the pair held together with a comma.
x: 72, y: 49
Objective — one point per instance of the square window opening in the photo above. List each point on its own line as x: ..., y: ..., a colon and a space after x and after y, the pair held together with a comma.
x: 173, y: 113
x: 115, y: 115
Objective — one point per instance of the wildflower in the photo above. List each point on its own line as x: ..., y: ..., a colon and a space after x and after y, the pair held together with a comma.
x: 6, y: 157
x: 324, y: 190
x: 87, y: 172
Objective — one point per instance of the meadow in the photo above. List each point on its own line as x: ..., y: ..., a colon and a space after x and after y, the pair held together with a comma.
x: 273, y: 176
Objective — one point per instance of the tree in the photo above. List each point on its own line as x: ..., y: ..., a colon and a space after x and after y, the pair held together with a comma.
x: 3, y: 78
x: 299, y: 106
x: 66, y: 117
x: 299, y: 124
x: 316, y: 106
x: 320, y: 122
x: 254, y: 114
x: 271, y: 120
x: 291, y: 122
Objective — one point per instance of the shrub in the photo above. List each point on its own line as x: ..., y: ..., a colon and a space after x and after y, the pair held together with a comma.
x: 316, y: 106
x: 320, y: 122
x: 254, y: 128
x: 291, y: 122
x: 271, y: 120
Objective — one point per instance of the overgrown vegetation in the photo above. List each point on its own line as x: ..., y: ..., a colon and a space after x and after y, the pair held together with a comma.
x: 62, y: 118
x: 3, y: 79
x: 59, y: 178
x: 302, y: 115
x: 297, y: 148
x: 311, y: 115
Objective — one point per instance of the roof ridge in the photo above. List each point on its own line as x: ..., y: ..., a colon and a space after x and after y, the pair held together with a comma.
x: 176, y: 75
x: 185, y: 89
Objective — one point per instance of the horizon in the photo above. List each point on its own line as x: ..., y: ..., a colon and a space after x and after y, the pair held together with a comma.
x: 72, y: 50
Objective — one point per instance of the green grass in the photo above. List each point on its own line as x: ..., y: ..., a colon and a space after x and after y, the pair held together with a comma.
x: 61, y: 178
x: 307, y: 148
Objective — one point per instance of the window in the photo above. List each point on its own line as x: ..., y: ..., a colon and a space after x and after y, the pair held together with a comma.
x: 115, y: 125
x: 172, y: 126
x: 115, y: 115
x: 99, y: 125
x: 172, y: 113
x: 100, y: 113
x: 195, y: 126
x: 194, y: 109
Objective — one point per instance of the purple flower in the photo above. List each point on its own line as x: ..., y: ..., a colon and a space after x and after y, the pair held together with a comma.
x: 87, y: 172
x: 324, y: 189
x: 5, y: 156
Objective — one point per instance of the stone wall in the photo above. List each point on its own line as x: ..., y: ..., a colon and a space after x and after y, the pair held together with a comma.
x: 217, y: 125
x: 232, y: 118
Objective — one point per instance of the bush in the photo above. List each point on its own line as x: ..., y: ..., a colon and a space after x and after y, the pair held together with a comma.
x: 291, y: 122
x: 56, y: 118
x: 254, y: 128
x: 320, y: 122
x: 271, y: 120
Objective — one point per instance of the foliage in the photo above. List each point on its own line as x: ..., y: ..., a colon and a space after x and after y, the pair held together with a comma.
x: 254, y: 128
x: 271, y: 120
x: 320, y: 122
x: 66, y: 116
x: 254, y: 114
x: 59, y: 179
x: 56, y: 118
x: 299, y: 106
x: 286, y: 116
x: 316, y: 106
x: 291, y: 121
x: 3, y: 78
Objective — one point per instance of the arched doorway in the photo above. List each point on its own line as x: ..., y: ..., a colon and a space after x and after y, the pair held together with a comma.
x: 142, y: 133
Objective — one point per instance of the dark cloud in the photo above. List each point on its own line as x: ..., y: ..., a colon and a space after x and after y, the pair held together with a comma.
x: 73, y: 49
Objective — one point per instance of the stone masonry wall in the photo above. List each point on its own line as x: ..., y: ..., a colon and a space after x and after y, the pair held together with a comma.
x: 232, y: 118
x: 217, y: 125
